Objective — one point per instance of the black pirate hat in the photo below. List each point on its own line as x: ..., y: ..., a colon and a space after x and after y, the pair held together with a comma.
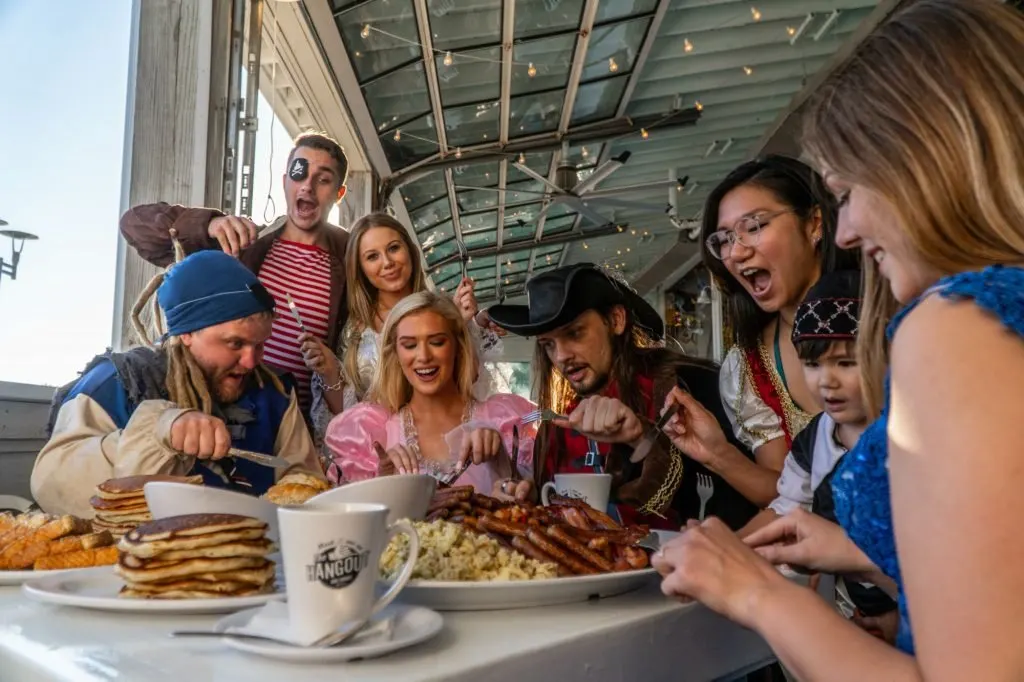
x: 557, y: 297
x: 831, y: 309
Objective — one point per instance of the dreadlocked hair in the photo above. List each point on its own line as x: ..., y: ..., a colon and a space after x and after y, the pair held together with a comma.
x: 186, y: 383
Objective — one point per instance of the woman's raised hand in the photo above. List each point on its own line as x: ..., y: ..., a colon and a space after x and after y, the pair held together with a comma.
x: 465, y: 299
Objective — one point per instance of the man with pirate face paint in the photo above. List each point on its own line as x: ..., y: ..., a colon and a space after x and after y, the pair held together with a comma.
x: 300, y: 258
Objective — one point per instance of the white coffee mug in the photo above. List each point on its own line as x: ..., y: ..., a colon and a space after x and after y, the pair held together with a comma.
x: 594, y: 489
x: 331, y: 555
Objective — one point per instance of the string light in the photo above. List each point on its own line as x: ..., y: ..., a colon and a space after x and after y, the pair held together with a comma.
x: 548, y: 257
x: 365, y: 33
x: 613, y: 66
x: 531, y: 71
x: 791, y: 31
x: 448, y: 59
x: 522, y: 159
x: 687, y: 45
x: 619, y: 228
x: 756, y: 13
x: 747, y: 70
x: 398, y: 135
x: 458, y: 152
x: 644, y: 134
x: 698, y: 106
x: 585, y: 245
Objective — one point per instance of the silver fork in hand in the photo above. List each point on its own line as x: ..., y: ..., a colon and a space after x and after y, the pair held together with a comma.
x: 544, y: 415
x: 705, y: 489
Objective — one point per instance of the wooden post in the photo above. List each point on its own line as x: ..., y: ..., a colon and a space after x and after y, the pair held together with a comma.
x: 166, y: 129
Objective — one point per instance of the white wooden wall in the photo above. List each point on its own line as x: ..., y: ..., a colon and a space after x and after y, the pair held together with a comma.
x: 23, y: 412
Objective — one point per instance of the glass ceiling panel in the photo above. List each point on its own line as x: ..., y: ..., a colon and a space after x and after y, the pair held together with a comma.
x: 518, y: 233
x: 477, y: 200
x: 558, y: 211
x: 476, y: 175
x: 522, y: 192
x: 613, y: 48
x: 472, y: 124
x: 482, y: 262
x: 546, y: 262
x: 539, y: 162
x: 436, y: 254
x: 598, y: 100
x: 439, y: 275
x: 456, y: 24
x: 338, y: 5
x: 375, y: 53
x: 551, y: 57
x: 479, y: 221
x: 476, y: 240
x: 549, y: 250
x: 585, y: 155
x: 535, y: 17
x: 431, y: 214
x: 526, y: 212
x: 423, y: 190
x: 531, y: 114
x: 467, y: 79
x: 559, y: 225
x: 398, y: 96
x: 417, y: 142
x: 607, y: 11
x: 436, y: 235
x: 480, y: 272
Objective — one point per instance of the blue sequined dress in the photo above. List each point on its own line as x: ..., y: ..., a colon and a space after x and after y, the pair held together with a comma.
x: 861, y: 482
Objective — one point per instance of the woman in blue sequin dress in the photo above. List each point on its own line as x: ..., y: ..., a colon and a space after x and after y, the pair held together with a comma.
x: 919, y: 136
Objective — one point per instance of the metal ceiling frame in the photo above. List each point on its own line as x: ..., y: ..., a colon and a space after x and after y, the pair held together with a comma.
x: 508, y: 17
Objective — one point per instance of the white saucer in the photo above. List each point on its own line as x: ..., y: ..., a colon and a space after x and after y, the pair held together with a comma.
x: 413, y: 624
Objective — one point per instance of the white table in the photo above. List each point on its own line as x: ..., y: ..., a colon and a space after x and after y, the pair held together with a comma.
x: 637, y: 636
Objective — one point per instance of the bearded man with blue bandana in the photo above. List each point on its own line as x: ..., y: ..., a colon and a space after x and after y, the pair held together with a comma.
x: 178, y: 408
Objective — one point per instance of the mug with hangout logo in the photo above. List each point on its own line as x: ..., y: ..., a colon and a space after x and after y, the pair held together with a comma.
x: 331, y: 556
x: 594, y: 489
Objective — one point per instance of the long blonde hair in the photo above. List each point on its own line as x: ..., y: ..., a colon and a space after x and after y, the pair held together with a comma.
x: 390, y: 388
x: 925, y: 114
x: 362, y: 295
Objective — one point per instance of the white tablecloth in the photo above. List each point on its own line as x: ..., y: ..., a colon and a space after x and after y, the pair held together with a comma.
x: 640, y: 636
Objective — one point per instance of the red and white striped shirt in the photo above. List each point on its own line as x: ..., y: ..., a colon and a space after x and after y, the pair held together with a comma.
x: 304, y: 271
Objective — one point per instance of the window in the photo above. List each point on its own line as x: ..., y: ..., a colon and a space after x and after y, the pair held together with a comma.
x: 512, y: 377
x: 62, y: 134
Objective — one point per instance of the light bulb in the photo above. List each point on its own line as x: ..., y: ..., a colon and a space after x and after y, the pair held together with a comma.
x: 522, y: 158
x: 531, y: 71
x: 619, y: 228
x: 687, y: 45
x: 613, y: 66
x: 585, y: 245
x: 644, y: 134
x: 458, y: 152
x: 747, y: 70
x: 756, y: 13
x: 398, y: 135
x: 698, y: 106
x: 365, y: 33
x: 448, y: 59
x: 791, y: 31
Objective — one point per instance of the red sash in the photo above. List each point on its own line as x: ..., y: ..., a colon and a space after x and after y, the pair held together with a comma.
x: 765, y: 388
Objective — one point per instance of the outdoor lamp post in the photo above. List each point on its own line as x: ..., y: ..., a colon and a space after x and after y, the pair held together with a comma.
x: 18, y: 240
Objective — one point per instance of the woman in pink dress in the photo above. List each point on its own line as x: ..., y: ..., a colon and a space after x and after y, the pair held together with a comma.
x: 422, y: 413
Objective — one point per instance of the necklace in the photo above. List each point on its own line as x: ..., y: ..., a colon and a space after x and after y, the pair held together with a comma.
x: 412, y: 441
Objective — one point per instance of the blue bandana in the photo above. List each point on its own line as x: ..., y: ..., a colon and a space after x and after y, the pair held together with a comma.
x: 208, y: 288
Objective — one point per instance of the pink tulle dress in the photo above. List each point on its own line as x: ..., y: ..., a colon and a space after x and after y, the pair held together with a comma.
x: 350, y: 437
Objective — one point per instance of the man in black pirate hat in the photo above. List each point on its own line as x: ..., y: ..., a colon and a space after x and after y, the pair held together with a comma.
x: 600, y: 361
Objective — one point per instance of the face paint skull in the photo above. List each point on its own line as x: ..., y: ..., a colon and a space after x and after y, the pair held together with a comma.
x: 299, y: 170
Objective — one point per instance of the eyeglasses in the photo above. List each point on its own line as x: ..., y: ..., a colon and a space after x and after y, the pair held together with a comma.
x: 746, y: 231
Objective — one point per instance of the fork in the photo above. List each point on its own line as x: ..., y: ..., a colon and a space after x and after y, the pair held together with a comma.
x: 543, y: 415
x: 705, y: 489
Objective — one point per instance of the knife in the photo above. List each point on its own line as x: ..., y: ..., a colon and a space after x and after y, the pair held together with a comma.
x: 260, y: 458
x: 295, y: 312
x: 643, y: 449
x: 514, y: 455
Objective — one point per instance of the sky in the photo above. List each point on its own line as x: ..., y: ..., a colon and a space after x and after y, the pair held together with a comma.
x: 62, y: 119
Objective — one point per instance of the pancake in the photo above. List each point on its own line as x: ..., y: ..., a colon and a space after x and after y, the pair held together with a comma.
x: 191, y: 567
x: 307, y: 479
x: 131, y: 486
x: 132, y: 593
x: 192, y: 526
x: 128, y: 504
x: 290, y: 493
x: 249, y: 548
x: 131, y: 517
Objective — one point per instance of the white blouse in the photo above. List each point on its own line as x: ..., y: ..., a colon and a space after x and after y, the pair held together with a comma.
x: 753, y: 421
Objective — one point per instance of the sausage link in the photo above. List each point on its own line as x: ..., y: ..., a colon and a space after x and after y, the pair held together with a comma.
x: 532, y: 551
x: 438, y: 514
x: 579, y: 549
x: 494, y: 525
x: 463, y: 491
x: 578, y: 567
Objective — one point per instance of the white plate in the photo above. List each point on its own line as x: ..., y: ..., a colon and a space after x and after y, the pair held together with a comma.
x: 97, y: 588
x: 412, y: 625
x: 518, y: 594
x: 9, y: 578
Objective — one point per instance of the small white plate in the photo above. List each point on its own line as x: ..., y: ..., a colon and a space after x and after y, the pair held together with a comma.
x: 413, y: 625
x: 13, y: 578
x: 97, y: 588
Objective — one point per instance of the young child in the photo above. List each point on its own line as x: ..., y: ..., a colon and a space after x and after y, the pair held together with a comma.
x: 825, y: 334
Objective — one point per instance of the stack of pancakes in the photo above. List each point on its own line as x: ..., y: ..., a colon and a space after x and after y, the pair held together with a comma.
x: 120, y: 505
x: 197, y: 556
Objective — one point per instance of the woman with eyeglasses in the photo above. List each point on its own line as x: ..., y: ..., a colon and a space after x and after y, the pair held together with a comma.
x: 768, y: 235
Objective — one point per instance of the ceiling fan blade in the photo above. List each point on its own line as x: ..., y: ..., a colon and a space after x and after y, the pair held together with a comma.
x: 627, y: 189
x: 467, y: 188
x: 630, y: 205
x: 600, y: 174
x: 587, y: 212
x: 529, y: 172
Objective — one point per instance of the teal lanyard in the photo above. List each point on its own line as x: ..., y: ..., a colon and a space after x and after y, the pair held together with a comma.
x: 778, y: 356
